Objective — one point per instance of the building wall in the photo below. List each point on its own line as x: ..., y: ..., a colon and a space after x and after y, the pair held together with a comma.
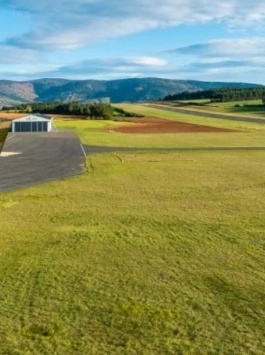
x: 31, y: 126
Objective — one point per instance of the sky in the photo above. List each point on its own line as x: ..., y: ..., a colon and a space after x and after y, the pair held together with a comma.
x: 204, y: 40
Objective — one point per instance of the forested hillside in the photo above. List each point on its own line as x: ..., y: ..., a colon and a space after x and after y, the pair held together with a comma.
x: 221, y: 95
x: 124, y: 90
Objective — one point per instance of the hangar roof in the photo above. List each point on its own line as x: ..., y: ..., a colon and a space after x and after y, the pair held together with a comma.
x: 33, y: 118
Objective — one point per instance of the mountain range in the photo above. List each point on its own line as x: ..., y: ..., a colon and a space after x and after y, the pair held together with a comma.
x: 130, y: 90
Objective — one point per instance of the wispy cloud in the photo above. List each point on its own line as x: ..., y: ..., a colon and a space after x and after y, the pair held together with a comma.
x: 66, y: 24
x: 108, y: 68
x: 10, y: 55
x: 57, y: 28
x: 224, y: 58
x: 226, y: 48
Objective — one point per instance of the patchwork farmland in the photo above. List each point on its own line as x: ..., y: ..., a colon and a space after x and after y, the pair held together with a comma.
x: 148, y: 252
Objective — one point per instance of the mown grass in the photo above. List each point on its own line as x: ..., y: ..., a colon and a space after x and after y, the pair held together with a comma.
x: 196, y: 101
x: 242, y: 108
x: 92, y: 133
x: 101, y: 133
x: 249, y: 108
x: 147, y: 253
x: 190, y: 118
x: 228, y: 104
x: 232, y: 104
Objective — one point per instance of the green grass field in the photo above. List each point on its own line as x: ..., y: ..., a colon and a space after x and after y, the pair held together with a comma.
x: 249, y: 108
x: 100, y: 132
x: 227, y: 108
x: 146, y: 253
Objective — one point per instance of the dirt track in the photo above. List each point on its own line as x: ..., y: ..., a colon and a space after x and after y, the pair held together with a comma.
x: 160, y: 125
x: 11, y: 116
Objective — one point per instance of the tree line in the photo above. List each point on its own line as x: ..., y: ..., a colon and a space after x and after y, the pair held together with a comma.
x: 95, y: 110
x: 88, y: 110
x: 221, y: 95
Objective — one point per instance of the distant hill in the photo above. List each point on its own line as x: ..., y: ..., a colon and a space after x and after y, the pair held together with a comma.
x: 131, y: 90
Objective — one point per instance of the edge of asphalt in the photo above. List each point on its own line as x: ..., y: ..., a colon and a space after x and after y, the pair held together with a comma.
x: 62, y: 171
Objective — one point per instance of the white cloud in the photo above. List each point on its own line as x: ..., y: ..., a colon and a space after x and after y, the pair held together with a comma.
x: 241, y: 48
x: 223, y: 59
x: 11, y: 55
x: 65, y: 24
x: 109, y: 67
x: 146, y: 61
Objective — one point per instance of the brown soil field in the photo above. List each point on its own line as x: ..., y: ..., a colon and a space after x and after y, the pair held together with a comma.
x: 160, y: 125
x: 11, y: 115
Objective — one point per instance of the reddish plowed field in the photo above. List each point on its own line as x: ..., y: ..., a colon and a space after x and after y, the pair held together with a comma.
x: 160, y: 125
x: 11, y: 116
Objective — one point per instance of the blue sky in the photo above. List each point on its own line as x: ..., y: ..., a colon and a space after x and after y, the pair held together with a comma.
x: 113, y: 39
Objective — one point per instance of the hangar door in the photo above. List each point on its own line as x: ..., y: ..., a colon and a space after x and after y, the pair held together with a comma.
x: 41, y: 126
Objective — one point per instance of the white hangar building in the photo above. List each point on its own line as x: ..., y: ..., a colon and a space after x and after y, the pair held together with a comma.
x: 33, y: 123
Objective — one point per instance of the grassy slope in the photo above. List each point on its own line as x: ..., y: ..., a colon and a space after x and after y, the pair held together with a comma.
x: 243, y: 108
x: 248, y: 108
x: 148, y: 111
x: 147, y: 253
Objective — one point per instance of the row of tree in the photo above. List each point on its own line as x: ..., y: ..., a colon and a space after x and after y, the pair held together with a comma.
x: 221, y: 95
x: 94, y: 110
x: 88, y: 110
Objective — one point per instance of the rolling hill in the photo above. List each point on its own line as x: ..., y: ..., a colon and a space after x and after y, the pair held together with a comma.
x: 132, y: 90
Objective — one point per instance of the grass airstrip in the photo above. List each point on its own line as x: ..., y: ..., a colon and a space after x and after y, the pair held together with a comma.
x: 149, y: 252
x: 253, y: 108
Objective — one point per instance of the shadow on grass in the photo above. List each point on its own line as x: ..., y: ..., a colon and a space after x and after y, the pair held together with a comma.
x: 258, y: 109
x: 4, y: 128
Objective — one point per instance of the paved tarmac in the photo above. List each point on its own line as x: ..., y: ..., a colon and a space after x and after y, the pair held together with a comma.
x: 32, y: 158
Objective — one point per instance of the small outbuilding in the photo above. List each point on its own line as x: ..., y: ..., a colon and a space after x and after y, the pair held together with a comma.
x: 33, y: 123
